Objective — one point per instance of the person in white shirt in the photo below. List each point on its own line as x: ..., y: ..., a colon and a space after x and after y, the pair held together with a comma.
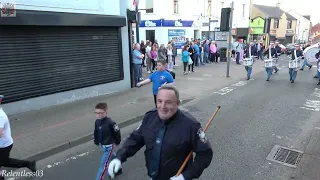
x: 6, y: 143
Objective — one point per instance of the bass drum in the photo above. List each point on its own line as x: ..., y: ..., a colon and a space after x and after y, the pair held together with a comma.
x: 310, y: 53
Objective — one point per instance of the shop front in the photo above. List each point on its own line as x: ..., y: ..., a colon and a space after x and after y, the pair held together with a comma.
x: 257, y: 28
x: 289, y: 37
x: 166, y: 30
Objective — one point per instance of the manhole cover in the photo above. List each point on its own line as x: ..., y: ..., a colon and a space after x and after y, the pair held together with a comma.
x: 285, y: 156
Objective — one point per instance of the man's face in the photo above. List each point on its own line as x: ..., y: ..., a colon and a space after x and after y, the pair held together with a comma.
x: 160, y: 67
x: 138, y: 46
x: 100, y: 113
x: 297, y: 47
x: 167, y: 104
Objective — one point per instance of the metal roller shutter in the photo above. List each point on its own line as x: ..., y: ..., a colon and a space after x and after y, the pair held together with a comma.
x: 37, y: 60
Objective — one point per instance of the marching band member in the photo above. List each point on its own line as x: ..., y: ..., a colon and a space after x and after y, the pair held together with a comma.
x: 272, y: 53
x: 305, y: 61
x: 296, y: 55
x: 250, y: 51
x: 279, y: 50
x: 318, y: 65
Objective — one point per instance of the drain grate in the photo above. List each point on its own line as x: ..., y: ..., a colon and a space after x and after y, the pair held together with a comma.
x: 285, y: 156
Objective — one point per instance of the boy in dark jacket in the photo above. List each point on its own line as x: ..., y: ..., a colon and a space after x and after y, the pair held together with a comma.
x: 106, y: 134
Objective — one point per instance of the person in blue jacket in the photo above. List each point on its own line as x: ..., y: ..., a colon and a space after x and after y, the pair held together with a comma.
x: 185, y: 59
x: 159, y: 78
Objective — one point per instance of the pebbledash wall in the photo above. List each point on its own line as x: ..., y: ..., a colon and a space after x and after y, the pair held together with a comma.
x: 117, y: 9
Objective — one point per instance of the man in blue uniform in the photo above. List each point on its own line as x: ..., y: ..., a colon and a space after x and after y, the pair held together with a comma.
x: 169, y: 135
x: 273, y: 53
x: 251, y: 51
x: 106, y: 134
x: 296, y: 54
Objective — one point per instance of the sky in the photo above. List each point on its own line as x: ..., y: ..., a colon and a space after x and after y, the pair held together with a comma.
x: 310, y: 7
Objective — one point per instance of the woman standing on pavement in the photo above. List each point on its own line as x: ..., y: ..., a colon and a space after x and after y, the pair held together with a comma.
x: 192, y: 56
x: 185, y: 58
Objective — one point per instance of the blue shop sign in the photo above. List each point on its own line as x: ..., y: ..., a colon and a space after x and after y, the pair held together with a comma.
x: 174, y: 23
x: 150, y: 23
x: 165, y: 23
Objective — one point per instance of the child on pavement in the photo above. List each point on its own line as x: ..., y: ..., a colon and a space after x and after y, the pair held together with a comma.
x: 106, y: 134
x: 159, y: 78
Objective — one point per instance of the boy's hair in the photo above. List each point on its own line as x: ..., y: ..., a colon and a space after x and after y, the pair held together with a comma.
x: 103, y: 106
x: 162, y: 61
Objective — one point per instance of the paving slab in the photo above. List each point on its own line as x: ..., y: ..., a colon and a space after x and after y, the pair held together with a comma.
x: 40, y: 133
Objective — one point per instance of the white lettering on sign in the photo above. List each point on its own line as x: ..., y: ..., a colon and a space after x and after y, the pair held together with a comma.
x: 150, y: 24
x: 314, y: 104
x: 226, y: 90
x: 178, y: 24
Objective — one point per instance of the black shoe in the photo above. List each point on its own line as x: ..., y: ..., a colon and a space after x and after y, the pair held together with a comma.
x: 318, y: 83
x: 301, y: 69
x: 292, y: 81
x: 248, y: 78
x: 267, y: 79
x: 310, y: 67
x: 315, y: 76
x: 32, y: 166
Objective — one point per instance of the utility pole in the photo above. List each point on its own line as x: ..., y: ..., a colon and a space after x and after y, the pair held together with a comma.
x: 138, y: 21
x: 230, y: 39
x: 249, y: 29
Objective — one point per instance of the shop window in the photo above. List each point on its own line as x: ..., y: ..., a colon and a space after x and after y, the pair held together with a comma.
x: 276, y: 23
x: 289, y: 25
x: 176, y: 6
x: 149, y: 6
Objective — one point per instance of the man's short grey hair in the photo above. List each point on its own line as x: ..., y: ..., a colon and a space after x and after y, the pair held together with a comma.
x: 172, y: 88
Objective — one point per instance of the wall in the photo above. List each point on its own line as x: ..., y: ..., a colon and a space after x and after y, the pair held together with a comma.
x: 281, y: 30
x: 239, y: 21
x: 91, y: 7
x: 164, y: 9
x: 301, y: 24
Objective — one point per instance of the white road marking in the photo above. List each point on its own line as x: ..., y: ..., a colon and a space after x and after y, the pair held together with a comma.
x: 226, y: 90
x: 314, y: 103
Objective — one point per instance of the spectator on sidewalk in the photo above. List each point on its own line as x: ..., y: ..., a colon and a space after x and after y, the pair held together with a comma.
x: 6, y: 144
x: 137, y: 63
x: 159, y: 78
x: 106, y: 134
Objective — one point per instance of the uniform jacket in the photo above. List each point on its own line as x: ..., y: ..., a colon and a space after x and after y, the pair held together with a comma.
x: 183, y: 134
x: 299, y: 54
x: 106, y: 132
x: 273, y: 52
x: 253, y: 51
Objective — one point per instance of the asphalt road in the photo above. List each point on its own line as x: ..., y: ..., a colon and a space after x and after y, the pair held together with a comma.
x: 255, y: 115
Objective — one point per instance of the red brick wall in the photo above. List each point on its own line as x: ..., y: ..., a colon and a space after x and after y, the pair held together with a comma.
x: 315, y: 29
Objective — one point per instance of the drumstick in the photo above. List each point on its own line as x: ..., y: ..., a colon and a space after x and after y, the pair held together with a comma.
x: 190, y: 154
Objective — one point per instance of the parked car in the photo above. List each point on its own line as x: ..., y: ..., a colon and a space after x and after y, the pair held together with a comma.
x: 290, y: 48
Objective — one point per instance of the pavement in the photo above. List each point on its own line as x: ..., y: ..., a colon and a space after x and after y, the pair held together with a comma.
x: 41, y: 133
x: 255, y: 116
